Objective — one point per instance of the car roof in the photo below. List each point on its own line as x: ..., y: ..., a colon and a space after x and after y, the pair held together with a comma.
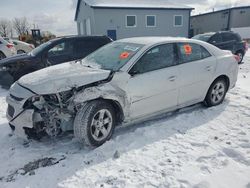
x: 81, y: 36
x: 155, y: 40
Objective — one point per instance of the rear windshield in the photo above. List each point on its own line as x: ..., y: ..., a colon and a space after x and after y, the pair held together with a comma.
x: 203, y: 37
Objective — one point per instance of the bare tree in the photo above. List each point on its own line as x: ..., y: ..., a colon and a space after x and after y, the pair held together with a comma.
x: 21, y: 25
x: 5, y: 27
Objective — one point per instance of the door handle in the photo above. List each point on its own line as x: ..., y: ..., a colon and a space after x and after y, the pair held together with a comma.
x: 172, y: 78
x: 208, y: 68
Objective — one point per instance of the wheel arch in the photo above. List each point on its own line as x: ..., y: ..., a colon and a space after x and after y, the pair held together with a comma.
x: 224, y: 77
x: 117, y: 107
x: 116, y: 98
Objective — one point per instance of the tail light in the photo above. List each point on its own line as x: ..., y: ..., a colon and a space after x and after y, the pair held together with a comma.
x: 237, y: 58
x: 10, y: 45
x: 246, y: 45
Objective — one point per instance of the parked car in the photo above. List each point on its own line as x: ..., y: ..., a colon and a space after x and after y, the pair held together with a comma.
x: 226, y: 40
x: 6, y: 49
x: 21, y: 47
x: 123, y: 82
x: 53, y: 52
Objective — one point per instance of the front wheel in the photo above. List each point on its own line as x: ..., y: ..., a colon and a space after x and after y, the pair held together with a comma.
x: 216, y: 93
x: 94, y: 123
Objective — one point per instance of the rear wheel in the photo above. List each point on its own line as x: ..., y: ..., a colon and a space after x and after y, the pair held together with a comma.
x: 94, y: 124
x: 20, y: 52
x: 2, y: 56
x: 216, y: 93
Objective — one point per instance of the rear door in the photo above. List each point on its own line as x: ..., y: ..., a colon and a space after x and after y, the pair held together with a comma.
x: 196, y: 71
x: 229, y: 41
x: 153, y: 83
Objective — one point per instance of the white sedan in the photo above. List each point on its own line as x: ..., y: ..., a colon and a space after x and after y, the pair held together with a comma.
x: 123, y: 82
x: 21, y: 47
x: 6, y: 49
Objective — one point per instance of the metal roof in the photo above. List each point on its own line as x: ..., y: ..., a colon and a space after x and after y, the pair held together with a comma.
x: 223, y: 10
x: 133, y: 4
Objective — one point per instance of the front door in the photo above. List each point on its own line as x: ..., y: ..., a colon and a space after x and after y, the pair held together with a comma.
x: 153, y: 83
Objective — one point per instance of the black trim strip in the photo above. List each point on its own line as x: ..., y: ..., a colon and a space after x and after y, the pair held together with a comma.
x: 27, y: 89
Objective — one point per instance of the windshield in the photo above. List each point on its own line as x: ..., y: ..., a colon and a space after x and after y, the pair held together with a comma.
x: 112, y: 56
x: 202, y: 37
x: 40, y: 48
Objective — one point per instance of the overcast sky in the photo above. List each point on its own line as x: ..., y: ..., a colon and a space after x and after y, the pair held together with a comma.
x: 57, y: 16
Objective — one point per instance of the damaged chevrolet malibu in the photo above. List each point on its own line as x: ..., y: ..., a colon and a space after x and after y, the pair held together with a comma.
x: 124, y: 82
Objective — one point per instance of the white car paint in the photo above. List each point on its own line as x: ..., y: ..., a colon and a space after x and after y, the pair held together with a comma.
x: 140, y: 96
x: 22, y: 47
x: 8, y: 52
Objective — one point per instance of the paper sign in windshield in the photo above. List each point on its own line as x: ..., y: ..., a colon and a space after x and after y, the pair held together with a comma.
x: 131, y: 48
x: 124, y: 55
x: 187, y: 49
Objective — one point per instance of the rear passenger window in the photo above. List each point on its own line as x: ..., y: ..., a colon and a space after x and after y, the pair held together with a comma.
x: 157, y: 58
x: 205, y: 53
x: 84, y: 47
x: 216, y: 39
x: 192, y: 52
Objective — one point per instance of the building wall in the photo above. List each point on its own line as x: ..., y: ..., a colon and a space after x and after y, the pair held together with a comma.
x: 85, y: 13
x: 240, y: 18
x: 217, y: 21
x: 115, y: 19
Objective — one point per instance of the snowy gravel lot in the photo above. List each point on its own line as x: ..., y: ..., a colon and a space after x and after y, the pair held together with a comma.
x: 194, y: 147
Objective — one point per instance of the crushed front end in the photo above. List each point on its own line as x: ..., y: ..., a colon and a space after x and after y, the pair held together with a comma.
x: 32, y: 115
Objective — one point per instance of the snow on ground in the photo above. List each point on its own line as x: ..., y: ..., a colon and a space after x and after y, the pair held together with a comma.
x: 195, y: 147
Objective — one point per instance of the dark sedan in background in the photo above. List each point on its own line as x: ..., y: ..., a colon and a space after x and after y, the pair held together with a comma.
x: 51, y: 53
x: 226, y: 40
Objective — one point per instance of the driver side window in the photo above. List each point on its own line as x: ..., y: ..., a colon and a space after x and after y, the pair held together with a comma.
x: 56, y: 50
x: 158, y: 57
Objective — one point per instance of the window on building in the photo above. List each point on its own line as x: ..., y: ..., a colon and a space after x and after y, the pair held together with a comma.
x: 131, y: 21
x: 178, y: 20
x: 150, y: 21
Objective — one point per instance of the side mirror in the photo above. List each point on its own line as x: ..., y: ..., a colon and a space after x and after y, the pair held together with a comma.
x: 133, y: 72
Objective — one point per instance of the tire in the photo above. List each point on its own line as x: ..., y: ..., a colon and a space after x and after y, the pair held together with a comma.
x: 241, y: 55
x: 216, y: 93
x: 2, y: 56
x: 89, y: 126
x: 20, y: 52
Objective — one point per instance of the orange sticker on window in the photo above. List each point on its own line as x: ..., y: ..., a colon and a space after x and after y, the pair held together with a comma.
x: 187, y: 49
x: 124, y: 55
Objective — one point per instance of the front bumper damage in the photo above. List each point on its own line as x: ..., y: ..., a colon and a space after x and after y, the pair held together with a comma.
x: 19, y: 118
x: 31, y: 115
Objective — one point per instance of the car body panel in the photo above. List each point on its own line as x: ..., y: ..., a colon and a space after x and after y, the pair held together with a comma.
x: 62, y: 77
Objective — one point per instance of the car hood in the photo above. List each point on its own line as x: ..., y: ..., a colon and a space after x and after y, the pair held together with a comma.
x: 15, y: 59
x: 62, y: 77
